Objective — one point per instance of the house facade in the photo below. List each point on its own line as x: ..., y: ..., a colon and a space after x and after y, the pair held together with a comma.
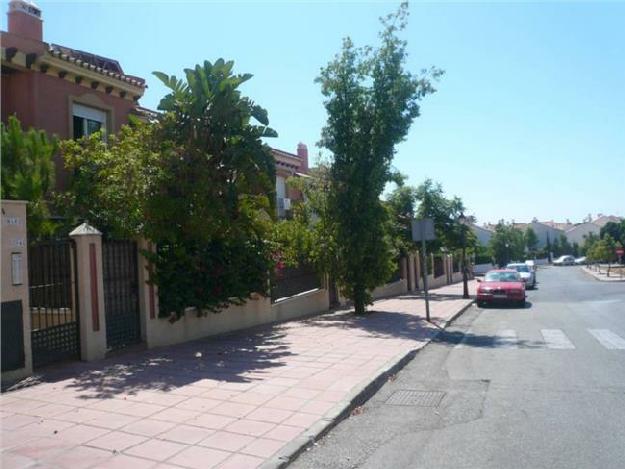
x: 289, y: 165
x: 580, y: 231
x: 64, y: 91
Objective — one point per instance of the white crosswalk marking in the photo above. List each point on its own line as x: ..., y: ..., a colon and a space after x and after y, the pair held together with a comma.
x: 507, y: 339
x: 556, y: 339
x: 608, y: 339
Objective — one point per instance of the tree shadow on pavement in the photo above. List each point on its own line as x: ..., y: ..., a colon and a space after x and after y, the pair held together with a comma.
x: 230, y: 359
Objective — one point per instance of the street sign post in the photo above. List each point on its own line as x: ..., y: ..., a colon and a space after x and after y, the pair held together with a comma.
x: 423, y: 230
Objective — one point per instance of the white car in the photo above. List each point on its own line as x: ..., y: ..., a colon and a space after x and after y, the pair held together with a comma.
x: 527, y: 274
x: 580, y: 260
x: 564, y: 260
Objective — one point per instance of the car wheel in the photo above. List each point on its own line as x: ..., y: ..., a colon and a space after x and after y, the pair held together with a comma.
x: 481, y: 304
x: 522, y: 303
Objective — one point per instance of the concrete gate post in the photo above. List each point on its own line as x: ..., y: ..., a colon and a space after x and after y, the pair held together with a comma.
x: 92, y: 318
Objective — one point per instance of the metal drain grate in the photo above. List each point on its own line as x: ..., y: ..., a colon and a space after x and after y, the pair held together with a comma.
x: 416, y: 398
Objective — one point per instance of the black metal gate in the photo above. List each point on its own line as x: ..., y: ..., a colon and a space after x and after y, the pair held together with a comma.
x: 53, y: 306
x: 121, y: 293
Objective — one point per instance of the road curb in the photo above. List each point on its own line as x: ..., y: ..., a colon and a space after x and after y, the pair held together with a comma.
x: 361, y: 393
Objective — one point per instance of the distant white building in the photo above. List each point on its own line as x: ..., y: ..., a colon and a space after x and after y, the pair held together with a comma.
x: 483, y: 235
x: 579, y: 231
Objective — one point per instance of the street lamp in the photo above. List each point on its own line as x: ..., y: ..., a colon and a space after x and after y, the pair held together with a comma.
x: 465, y: 281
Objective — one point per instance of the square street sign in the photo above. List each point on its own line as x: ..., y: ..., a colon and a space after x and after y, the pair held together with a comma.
x: 423, y: 230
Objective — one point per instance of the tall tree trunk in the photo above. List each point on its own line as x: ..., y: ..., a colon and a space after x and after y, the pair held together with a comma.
x: 359, y: 299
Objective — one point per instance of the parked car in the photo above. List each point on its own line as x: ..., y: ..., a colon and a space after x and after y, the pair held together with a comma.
x: 564, y: 260
x: 501, y: 286
x: 580, y: 260
x: 527, y: 274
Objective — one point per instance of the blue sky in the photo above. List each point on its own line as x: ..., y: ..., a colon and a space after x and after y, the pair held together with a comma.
x: 529, y: 119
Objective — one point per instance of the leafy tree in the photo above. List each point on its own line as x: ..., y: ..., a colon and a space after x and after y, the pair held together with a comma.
x: 198, y: 184
x: 615, y: 230
x: 371, y: 101
x: 506, y: 244
x: 555, y: 247
x: 28, y: 172
x: 589, y: 240
x: 531, y: 240
x: 445, y: 213
x: 603, y: 250
x: 565, y: 246
x: 576, y: 249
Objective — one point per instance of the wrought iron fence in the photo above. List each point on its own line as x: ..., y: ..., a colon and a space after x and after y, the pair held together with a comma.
x: 121, y: 293
x: 53, y: 309
x: 293, y: 280
x: 457, y: 264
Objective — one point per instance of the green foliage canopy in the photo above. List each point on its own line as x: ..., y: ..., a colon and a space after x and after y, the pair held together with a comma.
x: 371, y: 100
x: 198, y: 184
x: 28, y: 172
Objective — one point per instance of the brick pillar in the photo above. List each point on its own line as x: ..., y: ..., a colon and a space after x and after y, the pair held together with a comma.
x: 90, y: 292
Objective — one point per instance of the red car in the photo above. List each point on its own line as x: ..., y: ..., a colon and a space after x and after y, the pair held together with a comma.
x: 505, y: 286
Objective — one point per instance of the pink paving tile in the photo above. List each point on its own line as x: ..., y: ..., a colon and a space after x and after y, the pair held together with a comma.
x: 112, y: 420
x: 80, y: 415
x: 233, y: 409
x: 238, y: 386
x: 148, y: 427
x: 227, y: 441
x: 330, y: 396
x: 263, y: 447
x: 206, y: 383
x: 317, y: 407
x: 215, y: 422
x: 174, y: 414
x: 12, y: 438
x: 189, y: 390
x: 186, y: 434
x: 79, y: 457
x: 10, y: 460
x: 301, y: 420
x: 121, y: 461
x: 16, y: 421
x: 138, y: 409
x: 46, y: 427
x: 286, y: 403
x: 221, y: 394
x: 250, y: 427
x: 283, y: 433
x: 251, y: 397
x: 269, y: 389
x: 18, y: 405
x: 301, y: 393
x: 241, y: 461
x: 50, y: 410
x: 198, y: 404
x: 265, y: 414
x: 79, y: 434
x: 117, y: 441
x: 41, y: 448
x: 159, y: 450
x: 198, y: 457
x: 110, y: 405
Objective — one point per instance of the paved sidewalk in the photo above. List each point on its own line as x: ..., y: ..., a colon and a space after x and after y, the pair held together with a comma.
x: 239, y: 401
x: 603, y: 276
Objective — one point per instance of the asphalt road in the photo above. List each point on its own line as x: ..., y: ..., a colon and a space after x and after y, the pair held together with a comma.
x: 540, y: 387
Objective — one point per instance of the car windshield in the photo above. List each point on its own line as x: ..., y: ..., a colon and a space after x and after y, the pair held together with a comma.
x: 519, y: 267
x: 501, y: 277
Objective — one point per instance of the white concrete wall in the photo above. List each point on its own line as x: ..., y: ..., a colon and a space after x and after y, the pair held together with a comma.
x: 391, y: 289
x: 254, y: 312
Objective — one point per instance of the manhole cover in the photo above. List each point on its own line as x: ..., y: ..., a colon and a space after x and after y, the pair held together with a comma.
x: 416, y: 398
